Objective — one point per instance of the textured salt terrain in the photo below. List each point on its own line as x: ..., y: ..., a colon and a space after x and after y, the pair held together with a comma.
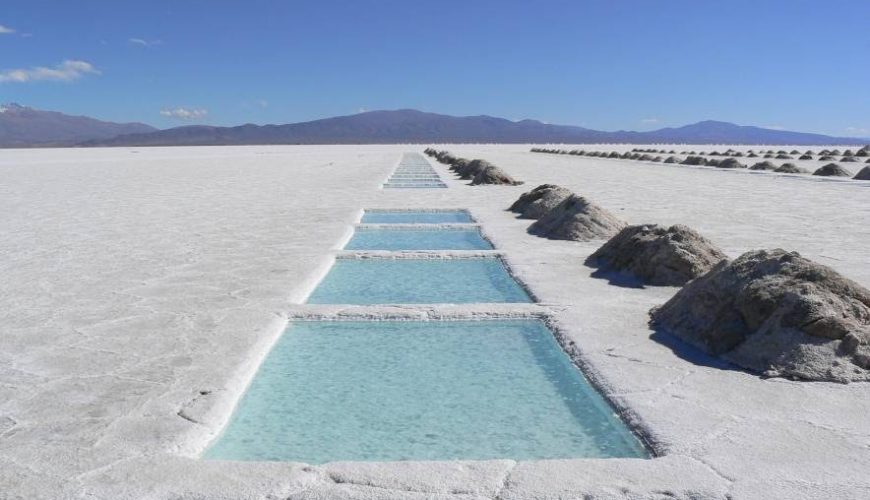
x: 142, y: 287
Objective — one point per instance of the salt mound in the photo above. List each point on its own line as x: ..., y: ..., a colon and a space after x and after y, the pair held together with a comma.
x: 494, y: 175
x: 833, y: 170
x: 694, y: 160
x: 458, y: 164
x: 863, y: 174
x: 777, y: 313
x: 790, y: 168
x: 473, y: 168
x: 658, y: 255
x: 672, y: 159
x: 730, y: 163
x: 763, y: 165
x: 539, y: 201
x: 577, y: 219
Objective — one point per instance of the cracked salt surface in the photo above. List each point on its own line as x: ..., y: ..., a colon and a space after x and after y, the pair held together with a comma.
x: 133, y: 282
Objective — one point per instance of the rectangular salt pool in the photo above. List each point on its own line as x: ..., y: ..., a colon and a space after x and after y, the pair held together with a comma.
x: 427, y: 390
x: 416, y: 217
x: 418, y: 281
x: 414, y: 185
x: 417, y: 239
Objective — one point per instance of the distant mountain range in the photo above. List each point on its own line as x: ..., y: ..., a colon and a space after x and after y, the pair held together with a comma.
x: 21, y: 126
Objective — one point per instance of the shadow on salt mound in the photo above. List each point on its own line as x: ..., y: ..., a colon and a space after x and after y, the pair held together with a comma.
x: 763, y: 165
x: 863, y: 174
x: 790, y: 168
x: 832, y: 170
x: 777, y: 314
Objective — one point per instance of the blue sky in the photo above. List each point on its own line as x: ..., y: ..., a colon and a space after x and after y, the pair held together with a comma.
x: 799, y: 65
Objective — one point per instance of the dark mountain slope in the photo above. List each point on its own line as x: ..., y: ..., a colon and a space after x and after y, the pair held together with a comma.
x: 22, y: 126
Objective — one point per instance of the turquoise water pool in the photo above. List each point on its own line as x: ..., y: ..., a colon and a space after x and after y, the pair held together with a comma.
x: 402, y: 390
x: 416, y: 217
x: 417, y: 239
x: 417, y: 281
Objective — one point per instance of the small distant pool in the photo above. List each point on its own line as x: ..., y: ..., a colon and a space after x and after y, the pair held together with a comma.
x: 416, y: 217
x: 418, y: 281
x: 417, y: 239
x: 414, y: 171
x: 414, y: 185
x: 429, y: 390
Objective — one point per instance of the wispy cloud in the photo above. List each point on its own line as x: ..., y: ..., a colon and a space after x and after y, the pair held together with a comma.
x: 144, y: 43
x: 773, y: 127
x: 649, y: 120
x: 184, y: 113
x: 66, y: 71
x: 362, y: 109
x: 862, y: 131
x: 6, y: 30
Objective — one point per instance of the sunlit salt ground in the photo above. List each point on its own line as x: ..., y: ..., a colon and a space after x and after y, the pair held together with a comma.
x: 418, y: 281
x: 417, y: 239
x: 141, y: 288
x: 416, y: 217
x: 402, y: 390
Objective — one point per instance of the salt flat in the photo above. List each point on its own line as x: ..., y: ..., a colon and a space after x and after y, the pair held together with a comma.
x: 142, y: 287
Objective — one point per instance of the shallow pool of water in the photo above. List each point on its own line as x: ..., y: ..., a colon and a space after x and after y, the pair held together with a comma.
x: 417, y: 281
x: 417, y: 239
x: 416, y: 217
x: 403, y: 390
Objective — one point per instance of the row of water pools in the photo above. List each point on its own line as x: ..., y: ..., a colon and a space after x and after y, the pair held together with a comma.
x: 414, y: 171
x: 420, y: 390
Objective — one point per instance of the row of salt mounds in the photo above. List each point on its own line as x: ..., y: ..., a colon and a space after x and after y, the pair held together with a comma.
x: 479, y: 171
x: 539, y: 201
x: 657, y: 255
x: 577, y: 219
x: 830, y: 170
x: 777, y: 313
x: 654, y: 254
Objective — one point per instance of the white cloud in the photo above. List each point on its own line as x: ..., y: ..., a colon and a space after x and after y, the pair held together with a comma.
x: 66, y: 71
x: 362, y: 109
x: 183, y: 113
x: 5, y: 30
x: 773, y: 127
x: 650, y: 120
x: 262, y: 103
x: 862, y: 131
x: 144, y: 43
